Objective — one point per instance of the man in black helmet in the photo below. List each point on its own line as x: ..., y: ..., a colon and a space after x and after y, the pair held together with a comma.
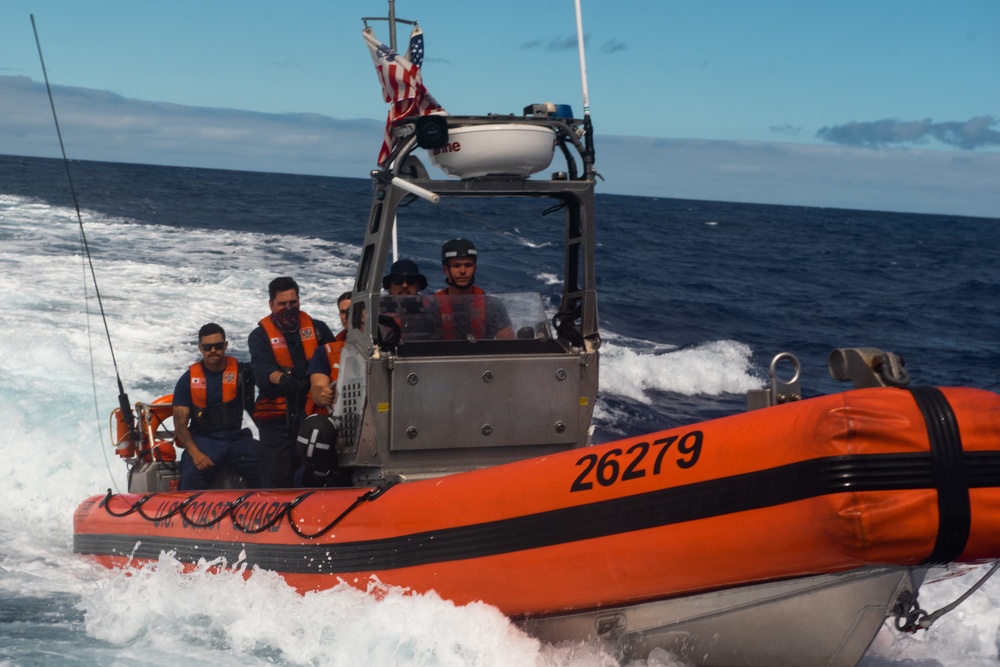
x: 466, y: 311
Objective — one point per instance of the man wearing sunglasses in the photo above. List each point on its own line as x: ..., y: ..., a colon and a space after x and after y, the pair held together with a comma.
x: 404, y: 278
x: 280, y: 349
x: 209, y: 400
x: 416, y: 316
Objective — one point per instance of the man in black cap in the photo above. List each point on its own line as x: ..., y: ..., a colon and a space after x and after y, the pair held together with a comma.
x: 416, y: 315
x: 404, y: 277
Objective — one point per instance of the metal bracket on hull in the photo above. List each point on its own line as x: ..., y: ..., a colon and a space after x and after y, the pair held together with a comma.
x: 909, y: 617
x: 781, y: 390
x: 868, y: 367
x: 864, y: 366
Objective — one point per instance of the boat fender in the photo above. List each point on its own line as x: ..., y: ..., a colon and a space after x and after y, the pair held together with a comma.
x: 316, y: 445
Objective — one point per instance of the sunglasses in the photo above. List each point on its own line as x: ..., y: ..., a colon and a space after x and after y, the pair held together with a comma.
x: 213, y: 346
x: 405, y: 280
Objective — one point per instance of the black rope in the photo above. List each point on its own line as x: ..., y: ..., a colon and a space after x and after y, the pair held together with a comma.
x: 177, y: 510
x: 371, y: 494
x: 285, y: 511
x: 134, y: 507
x: 231, y: 507
x: 226, y: 512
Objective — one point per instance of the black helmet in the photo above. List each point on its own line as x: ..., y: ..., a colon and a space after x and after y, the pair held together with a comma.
x: 457, y: 248
x: 404, y: 268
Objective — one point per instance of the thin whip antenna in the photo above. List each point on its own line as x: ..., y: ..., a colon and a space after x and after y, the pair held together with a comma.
x: 122, y: 396
x: 588, y: 127
x: 72, y: 189
x: 583, y: 60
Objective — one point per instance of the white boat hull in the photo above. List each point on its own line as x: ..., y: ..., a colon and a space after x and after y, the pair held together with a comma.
x: 827, y: 620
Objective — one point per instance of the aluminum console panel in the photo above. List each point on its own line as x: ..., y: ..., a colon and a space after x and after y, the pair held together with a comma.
x: 485, y: 402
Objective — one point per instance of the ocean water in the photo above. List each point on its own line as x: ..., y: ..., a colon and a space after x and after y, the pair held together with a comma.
x: 695, y: 300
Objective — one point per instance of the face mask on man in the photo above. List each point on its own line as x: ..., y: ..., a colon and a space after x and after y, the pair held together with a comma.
x: 287, y: 319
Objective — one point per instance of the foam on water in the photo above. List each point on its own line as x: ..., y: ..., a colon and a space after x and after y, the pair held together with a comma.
x: 159, y: 284
x: 718, y: 367
x: 260, y: 619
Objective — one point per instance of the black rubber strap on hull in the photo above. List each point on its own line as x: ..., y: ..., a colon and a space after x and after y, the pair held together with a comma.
x: 954, y: 510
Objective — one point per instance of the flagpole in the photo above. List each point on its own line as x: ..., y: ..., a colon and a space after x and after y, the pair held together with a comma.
x: 392, y: 25
x: 392, y: 45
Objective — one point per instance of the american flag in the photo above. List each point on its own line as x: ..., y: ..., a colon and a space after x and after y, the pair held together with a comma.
x: 415, y: 54
x: 402, y: 84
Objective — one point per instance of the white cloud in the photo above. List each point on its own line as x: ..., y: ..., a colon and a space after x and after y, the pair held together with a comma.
x: 920, y: 181
x: 99, y: 125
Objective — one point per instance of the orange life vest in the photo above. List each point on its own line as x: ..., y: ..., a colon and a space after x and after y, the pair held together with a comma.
x: 333, y: 355
x: 231, y: 414
x: 274, y: 407
x: 476, y: 313
x: 199, y: 387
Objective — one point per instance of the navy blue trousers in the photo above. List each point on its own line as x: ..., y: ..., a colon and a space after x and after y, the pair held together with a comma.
x: 236, y: 450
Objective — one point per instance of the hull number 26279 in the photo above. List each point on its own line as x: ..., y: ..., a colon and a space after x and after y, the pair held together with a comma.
x: 638, y: 460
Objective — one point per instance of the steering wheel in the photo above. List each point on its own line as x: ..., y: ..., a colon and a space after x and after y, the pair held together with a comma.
x: 388, y: 334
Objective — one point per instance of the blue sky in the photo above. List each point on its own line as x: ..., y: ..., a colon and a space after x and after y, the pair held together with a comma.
x: 886, y: 105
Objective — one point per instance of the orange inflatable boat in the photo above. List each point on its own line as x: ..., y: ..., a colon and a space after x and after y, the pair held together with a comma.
x: 868, y: 477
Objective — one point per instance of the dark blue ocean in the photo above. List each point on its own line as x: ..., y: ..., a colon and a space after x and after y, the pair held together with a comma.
x: 696, y: 297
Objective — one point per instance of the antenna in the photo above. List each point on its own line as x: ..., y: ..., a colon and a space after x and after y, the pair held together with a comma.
x: 588, y: 128
x: 583, y: 60
x: 123, y: 400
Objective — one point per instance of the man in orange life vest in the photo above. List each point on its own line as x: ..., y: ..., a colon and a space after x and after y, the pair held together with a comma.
x: 212, y: 395
x: 280, y: 350
x: 466, y: 311
x: 325, y: 366
x: 317, y: 437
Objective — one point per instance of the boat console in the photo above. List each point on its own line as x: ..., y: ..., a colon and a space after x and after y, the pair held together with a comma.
x: 417, y: 400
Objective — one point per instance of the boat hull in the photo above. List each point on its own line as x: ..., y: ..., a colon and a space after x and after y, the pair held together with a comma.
x: 828, y: 619
x: 822, y: 486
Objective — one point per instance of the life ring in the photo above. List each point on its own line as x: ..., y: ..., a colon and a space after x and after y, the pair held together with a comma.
x: 159, y: 411
x: 156, y: 440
